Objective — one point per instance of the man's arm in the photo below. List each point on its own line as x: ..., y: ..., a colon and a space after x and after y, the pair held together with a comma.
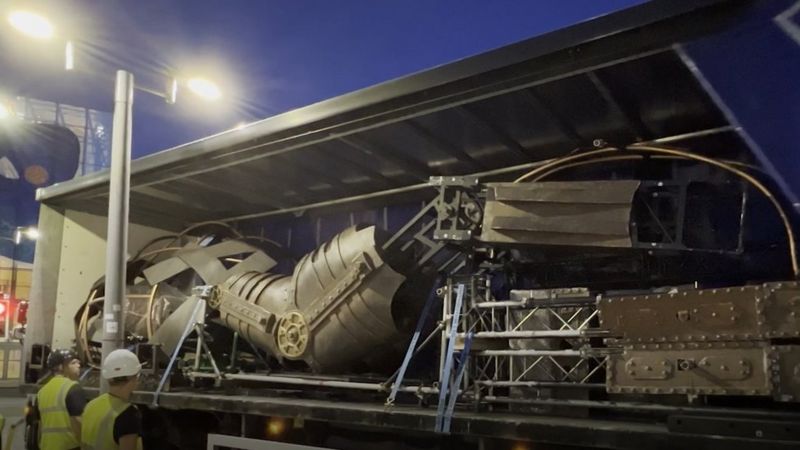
x: 75, y: 402
x: 127, y: 428
x: 128, y: 442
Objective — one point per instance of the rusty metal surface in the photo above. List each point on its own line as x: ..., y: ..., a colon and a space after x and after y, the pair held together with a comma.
x: 786, y: 373
x: 743, y: 313
x: 720, y: 368
x: 595, y: 213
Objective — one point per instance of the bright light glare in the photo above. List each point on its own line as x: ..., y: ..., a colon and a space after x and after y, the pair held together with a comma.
x: 31, y: 24
x: 172, y: 91
x: 4, y: 112
x: 204, y: 88
x: 69, y: 56
x: 275, y: 427
x: 31, y: 233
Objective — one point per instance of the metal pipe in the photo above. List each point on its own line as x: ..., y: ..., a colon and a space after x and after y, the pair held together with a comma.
x: 234, y: 348
x: 501, y: 304
x: 446, y: 305
x: 536, y: 334
x: 694, y: 134
x: 199, y: 326
x: 118, y: 203
x: 190, y: 325
x: 208, y: 351
x: 378, y: 387
x: 533, y: 303
x: 541, y: 384
x: 308, y: 382
x: 528, y: 352
x: 198, y: 350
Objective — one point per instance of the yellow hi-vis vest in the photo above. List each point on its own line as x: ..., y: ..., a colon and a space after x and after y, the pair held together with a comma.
x: 55, y: 429
x: 97, y: 423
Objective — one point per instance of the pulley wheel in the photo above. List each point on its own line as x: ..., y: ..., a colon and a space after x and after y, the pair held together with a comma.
x: 292, y: 334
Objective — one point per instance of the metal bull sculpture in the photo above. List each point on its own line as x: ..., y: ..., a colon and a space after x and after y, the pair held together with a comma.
x: 330, y: 312
x: 160, y: 280
x: 333, y: 309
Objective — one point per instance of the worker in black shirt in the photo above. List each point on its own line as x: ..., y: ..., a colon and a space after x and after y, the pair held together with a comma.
x: 110, y: 421
x: 61, y: 402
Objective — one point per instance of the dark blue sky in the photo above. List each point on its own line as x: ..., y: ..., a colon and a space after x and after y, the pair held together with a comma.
x: 270, y: 56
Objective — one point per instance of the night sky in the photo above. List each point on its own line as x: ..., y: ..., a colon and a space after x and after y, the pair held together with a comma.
x: 269, y: 56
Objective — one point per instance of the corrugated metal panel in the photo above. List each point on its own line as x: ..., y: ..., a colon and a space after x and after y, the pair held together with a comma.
x: 587, y: 213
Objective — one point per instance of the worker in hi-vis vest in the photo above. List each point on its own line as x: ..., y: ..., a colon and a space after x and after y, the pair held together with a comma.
x: 110, y: 421
x: 60, y: 403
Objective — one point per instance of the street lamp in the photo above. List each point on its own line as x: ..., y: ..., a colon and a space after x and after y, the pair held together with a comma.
x: 39, y: 27
x: 29, y: 232
x: 119, y: 176
x: 31, y: 24
x: 204, y: 88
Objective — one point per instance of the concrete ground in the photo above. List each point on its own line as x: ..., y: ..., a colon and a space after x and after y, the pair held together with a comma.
x: 12, y: 403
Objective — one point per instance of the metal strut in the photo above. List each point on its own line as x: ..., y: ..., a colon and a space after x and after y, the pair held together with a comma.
x: 426, y: 236
x: 462, y: 366
x: 412, y: 346
x: 448, y: 362
x: 191, y: 325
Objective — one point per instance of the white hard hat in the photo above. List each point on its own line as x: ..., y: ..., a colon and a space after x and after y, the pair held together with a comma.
x: 121, y: 363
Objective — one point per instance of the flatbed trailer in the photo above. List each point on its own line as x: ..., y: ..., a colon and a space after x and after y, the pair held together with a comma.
x: 663, y: 73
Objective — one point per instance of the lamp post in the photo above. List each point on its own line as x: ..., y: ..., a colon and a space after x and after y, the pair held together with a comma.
x: 118, y: 206
x: 17, y: 240
x: 39, y: 27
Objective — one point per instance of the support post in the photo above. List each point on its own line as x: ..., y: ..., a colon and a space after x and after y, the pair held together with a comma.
x: 14, y: 268
x: 118, y: 202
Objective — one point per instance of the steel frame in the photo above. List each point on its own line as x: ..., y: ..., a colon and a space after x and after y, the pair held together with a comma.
x: 566, y: 323
x: 483, y: 379
x: 476, y: 374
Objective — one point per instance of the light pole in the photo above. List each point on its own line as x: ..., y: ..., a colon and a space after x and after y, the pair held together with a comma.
x: 40, y: 27
x: 17, y: 240
x: 118, y: 205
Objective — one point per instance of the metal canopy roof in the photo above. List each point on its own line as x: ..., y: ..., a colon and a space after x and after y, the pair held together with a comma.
x: 619, y: 78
